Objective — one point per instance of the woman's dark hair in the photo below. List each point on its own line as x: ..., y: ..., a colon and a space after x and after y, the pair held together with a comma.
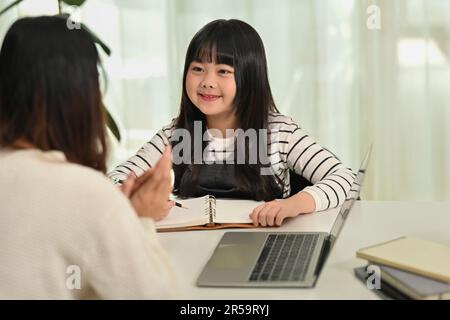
x: 49, y: 90
x: 235, y: 43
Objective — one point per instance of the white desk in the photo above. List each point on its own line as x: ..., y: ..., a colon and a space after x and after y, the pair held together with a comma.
x: 369, y: 223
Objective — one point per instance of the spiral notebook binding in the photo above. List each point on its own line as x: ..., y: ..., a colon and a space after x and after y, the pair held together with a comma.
x: 210, y: 208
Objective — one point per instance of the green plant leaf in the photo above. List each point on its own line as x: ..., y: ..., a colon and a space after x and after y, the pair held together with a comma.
x: 111, y: 123
x: 74, y: 2
x: 96, y: 39
x: 15, y: 3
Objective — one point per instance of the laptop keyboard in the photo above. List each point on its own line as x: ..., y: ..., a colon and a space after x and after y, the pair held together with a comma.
x: 285, y: 257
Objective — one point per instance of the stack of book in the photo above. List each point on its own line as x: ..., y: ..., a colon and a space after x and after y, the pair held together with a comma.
x: 408, y: 268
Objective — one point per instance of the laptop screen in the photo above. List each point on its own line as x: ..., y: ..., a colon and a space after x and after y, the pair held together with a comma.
x: 353, y: 195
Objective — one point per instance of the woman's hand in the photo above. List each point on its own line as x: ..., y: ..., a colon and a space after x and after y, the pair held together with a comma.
x: 274, y: 212
x: 150, y: 192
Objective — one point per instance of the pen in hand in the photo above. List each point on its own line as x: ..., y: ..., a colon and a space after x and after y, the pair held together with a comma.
x: 180, y: 205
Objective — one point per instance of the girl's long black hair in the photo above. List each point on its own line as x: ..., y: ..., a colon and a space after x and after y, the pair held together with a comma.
x: 235, y: 43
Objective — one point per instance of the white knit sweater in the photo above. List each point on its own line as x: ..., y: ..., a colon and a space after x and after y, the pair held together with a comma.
x: 64, y: 226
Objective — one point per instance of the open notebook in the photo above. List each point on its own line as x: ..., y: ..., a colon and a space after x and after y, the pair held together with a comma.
x: 209, y: 213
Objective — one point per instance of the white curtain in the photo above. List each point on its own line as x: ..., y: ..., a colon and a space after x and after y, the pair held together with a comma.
x: 347, y: 83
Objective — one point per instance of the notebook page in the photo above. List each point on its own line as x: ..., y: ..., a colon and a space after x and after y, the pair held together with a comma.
x: 234, y: 211
x: 196, y: 214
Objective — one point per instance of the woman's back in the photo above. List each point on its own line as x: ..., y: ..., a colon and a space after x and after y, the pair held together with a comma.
x: 66, y: 232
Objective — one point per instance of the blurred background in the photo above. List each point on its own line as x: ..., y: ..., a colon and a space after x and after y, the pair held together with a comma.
x: 351, y: 72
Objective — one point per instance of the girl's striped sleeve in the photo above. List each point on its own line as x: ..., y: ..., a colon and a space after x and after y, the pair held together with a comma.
x: 146, y: 157
x: 331, y: 179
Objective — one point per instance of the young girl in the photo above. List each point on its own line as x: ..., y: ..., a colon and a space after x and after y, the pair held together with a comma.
x: 226, y: 87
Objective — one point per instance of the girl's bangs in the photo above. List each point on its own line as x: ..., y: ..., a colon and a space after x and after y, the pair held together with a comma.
x: 212, y: 51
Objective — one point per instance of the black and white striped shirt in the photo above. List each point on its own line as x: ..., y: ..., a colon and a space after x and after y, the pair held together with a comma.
x: 289, y: 148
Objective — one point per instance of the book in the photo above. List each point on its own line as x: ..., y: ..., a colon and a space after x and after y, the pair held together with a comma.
x: 422, y: 257
x: 386, y: 291
x: 415, y: 286
x: 207, y: 212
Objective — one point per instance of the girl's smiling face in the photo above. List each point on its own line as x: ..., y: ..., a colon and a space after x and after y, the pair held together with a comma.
x: 212, y: 88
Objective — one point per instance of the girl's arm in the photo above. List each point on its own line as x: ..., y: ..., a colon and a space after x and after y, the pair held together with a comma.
x: 145, y: 158
x: 150, y: 192
x: 330, y: 178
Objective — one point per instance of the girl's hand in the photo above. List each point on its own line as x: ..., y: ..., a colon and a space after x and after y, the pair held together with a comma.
x: 274, y: 212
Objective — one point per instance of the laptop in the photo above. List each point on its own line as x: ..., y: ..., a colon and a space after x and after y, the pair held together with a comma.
x: 276, y: 259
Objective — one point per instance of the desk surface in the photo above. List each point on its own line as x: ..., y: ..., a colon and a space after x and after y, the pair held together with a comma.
x: 369, y: 223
